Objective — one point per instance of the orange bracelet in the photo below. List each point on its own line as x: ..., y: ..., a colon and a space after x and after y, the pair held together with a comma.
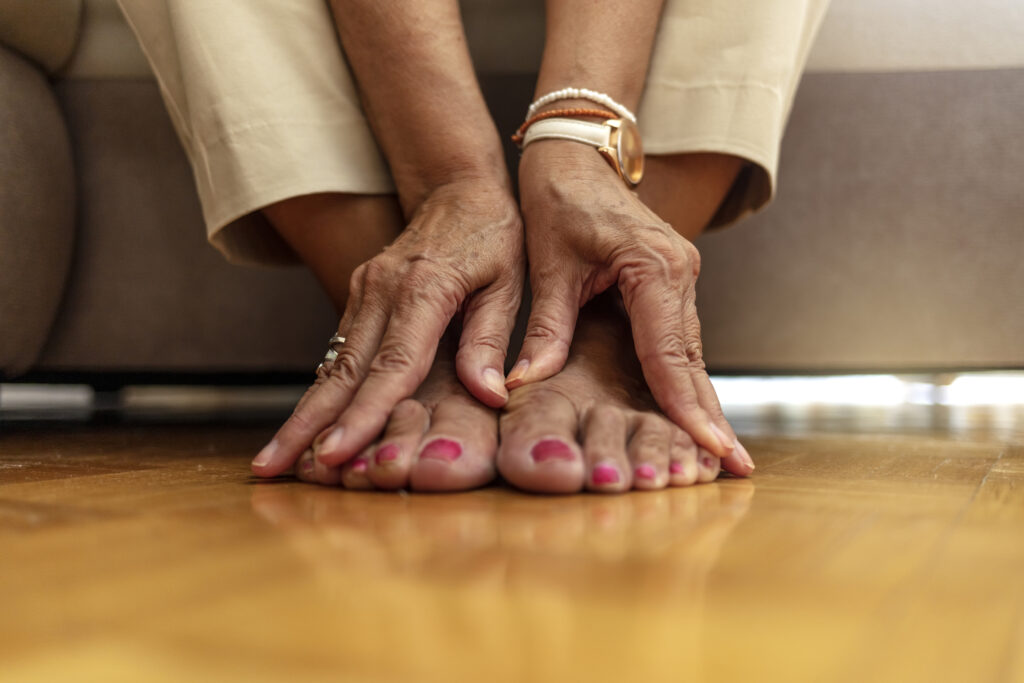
x: 518, y: 137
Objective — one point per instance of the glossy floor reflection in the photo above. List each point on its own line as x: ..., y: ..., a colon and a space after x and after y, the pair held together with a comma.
x: 863, y: 549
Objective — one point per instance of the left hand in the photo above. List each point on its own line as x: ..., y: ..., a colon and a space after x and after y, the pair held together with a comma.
x: 587, y: 231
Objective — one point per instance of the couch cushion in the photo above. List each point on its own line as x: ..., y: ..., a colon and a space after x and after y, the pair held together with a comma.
x: 45, y: 32
x: 37, y: 210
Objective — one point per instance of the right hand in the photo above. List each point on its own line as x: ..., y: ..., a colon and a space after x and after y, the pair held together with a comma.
x: 462, y: 251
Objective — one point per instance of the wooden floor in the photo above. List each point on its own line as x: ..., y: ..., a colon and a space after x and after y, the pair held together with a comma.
x: 872, y: 545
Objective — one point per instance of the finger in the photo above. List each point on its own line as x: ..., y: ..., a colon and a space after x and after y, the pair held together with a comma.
x: 405, y: 355
x: 668, y: 346
x: 738, y: 461
x: 320, y: 407
x: 352, y: 307
x: 553, y: 313
x: 486, y: 327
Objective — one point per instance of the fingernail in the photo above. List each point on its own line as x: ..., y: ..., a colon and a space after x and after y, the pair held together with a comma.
x: 676, y: 468
x: 723, y: 438
x: 552, y: 449
x: 606, y: 474
x: 495, y: 382
x: 442, y: 449
x: 646, y: 472
x: 386, y: 454
x: 744, y: 455
x: 331, y: 442
x: 264, y: 457
x: 359, y: 465
x: 517, y: 374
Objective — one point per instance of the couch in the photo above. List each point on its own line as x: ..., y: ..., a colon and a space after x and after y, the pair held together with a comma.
x: 895, y: 243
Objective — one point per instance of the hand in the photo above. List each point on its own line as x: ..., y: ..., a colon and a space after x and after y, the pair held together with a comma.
x: 462, y: 251
x: 585, y: 232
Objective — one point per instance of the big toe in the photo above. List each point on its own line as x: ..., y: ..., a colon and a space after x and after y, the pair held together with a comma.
x: 538, y: 450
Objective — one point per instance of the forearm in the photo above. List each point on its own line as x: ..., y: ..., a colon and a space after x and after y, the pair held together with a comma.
x: 603, y: 45
x: 418, y: 87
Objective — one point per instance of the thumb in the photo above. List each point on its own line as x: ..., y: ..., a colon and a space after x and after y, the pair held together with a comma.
x: 549, y: 331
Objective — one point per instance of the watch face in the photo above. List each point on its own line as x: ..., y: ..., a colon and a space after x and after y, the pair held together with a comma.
x: 631, y: 152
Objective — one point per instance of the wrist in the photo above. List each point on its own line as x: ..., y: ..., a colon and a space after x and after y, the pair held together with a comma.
x: 418, y: 178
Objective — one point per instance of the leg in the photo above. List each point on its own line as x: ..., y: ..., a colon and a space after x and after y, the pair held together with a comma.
x: 685, y: 190
x: 333, y: 233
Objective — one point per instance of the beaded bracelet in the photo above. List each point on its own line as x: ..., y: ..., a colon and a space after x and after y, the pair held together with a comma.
x: 518, y: 137
x: 581, y: 94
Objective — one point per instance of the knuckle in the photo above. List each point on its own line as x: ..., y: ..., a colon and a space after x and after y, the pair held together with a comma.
x: 693, y: 256
x: 303, y: 422
x: 671, y: 349
x: 393, y: 358
x: 357, y: 279
x: 543, y: 328
x: 659, y: 257
x: 493, y: 343
x: 425, y: 284
x: 345, y: 371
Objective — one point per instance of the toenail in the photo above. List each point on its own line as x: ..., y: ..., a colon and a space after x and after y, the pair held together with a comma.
x: 676, y: 468
x: 442, y: 449
x: 549, y: 449
x: 606, y: 474
x: 359, y: 465
x: 707, y: 462
x: 646, y: 472
x: 308, y: 465
x: 387, y: 453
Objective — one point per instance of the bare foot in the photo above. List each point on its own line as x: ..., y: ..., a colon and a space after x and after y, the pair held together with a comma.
x: 594, y: 425
x: 442, y: 439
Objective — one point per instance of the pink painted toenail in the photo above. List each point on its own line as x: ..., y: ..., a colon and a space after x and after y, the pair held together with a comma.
x: 676, y: 468
x: 359, y: 465
x: 308, y: 465
x: 646, y: 472
x: 606, y: 474
x: 442, y: 449
x: 387, y: 454
x: 707, y: 461
x: 549, y: 449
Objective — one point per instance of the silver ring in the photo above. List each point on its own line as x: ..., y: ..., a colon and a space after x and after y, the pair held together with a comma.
x: 335, y: 343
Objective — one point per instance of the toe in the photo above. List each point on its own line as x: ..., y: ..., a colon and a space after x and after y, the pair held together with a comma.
x: 308, y: 469
x: 304, y: 467
x: 355, y: 472
x: 682, y: 467
x: 392, y: 459
x: 648, y: 451
x: 458, y: 450
x: 604, y: 450
x: 538, y: 450
x: 708, y: 466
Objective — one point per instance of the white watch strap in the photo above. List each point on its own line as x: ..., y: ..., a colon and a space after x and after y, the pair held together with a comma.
x: 596, y: 134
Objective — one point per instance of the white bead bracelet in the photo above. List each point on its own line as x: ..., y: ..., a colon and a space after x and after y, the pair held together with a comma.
x: 581, y: 94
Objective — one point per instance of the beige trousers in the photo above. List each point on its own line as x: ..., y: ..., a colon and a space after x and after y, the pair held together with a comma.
x: 266, y: 108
